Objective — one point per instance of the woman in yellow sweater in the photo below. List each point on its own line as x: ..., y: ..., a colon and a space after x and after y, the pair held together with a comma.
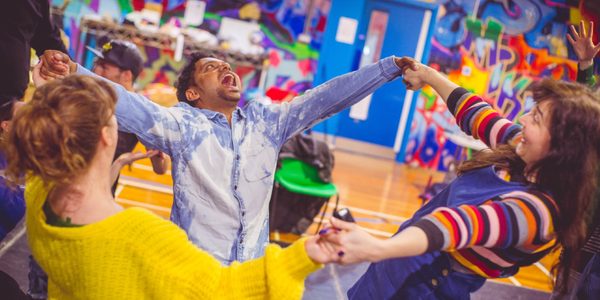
x: 90, y: 247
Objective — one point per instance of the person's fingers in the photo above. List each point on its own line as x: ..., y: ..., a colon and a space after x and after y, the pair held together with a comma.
x: 582, y: 29
x: 405, y: 61
x: 48, y: 65
x: 61, y: 57
x: 339, y: 224
x: 407, y: 84
x: 415, y: 66
x: 328, y: 247
x: 37, y: 78
x: 339, y: 255
x: 47, y: 74
x: 152, y: 153
x: 570, y: 39
x: 54, y: 72
x: 57, y: 61
x: 410, y: 72
x: 597, y: 48
x: 411, y: 68
x: 37, y: 67
x: 333, y: 238
x: 591, y: 35
x: 43, y: 71
x: 574, y: 32
x: 60, y: 68
x: 333, y: 251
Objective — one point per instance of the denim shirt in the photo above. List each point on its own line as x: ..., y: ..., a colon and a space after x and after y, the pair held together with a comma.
x: 223, y: 174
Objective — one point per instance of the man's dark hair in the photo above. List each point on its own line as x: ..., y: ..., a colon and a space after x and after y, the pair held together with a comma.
x: 186, y: 76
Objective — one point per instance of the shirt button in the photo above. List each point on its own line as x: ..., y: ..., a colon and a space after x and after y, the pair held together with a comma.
x: 445, y: 272
x: 243, y: 213
x: 434, y: 282
x: 235, y: 187
x: 237, y: 157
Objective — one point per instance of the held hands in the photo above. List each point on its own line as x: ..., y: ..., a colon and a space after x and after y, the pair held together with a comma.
x: 412, y: 71
x: 322, y: 250
x: 355, y: 244
x: 38, y: 80
x: 127, y: 159
x: 55, y: 65
x: 405, y: 63
x: 583, y: 45
x: 417, y: 76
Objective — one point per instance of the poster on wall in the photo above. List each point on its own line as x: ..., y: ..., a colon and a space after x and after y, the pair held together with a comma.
x: 194, y: 12
x: 346, y: 30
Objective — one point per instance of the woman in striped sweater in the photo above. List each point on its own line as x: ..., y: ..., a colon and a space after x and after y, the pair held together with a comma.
x: 509, y: 207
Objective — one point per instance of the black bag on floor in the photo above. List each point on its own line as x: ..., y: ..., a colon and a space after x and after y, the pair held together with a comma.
x: 294, y: 212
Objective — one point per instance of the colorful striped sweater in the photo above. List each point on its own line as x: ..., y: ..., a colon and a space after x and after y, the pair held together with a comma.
x: 504, y: 233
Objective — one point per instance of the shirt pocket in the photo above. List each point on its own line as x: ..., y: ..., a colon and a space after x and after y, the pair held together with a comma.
x: 260, y: 163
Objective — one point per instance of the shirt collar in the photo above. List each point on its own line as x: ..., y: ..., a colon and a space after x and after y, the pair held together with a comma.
x: 211, y: 114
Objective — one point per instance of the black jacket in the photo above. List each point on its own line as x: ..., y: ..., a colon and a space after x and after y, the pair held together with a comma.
x: 24, y: 24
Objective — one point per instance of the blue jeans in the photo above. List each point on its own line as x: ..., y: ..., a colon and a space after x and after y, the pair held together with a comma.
x: 428, y: 276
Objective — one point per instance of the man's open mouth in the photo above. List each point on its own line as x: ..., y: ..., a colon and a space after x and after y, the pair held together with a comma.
x: 229, y: 81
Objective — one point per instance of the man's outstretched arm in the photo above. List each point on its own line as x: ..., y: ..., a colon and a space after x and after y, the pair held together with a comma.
x: 334, y: 96
x: 156, y: 126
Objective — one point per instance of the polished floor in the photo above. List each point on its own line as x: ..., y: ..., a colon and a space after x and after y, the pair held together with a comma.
x: 380, y: 193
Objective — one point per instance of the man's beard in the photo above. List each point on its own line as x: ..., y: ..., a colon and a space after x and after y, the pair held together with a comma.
x: 228, y: 97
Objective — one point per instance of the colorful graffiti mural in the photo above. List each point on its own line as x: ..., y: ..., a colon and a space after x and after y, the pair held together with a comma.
x: 292, y: 43
x: 497, y: 50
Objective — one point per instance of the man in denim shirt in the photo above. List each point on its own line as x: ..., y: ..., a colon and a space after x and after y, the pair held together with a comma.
x: 224, y: 156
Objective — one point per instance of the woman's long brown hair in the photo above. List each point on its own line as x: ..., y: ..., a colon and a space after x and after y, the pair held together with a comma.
x: 569, y: 171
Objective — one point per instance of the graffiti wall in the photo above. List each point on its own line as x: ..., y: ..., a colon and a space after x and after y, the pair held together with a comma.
x: 292, y: 33
x: 496, y: 49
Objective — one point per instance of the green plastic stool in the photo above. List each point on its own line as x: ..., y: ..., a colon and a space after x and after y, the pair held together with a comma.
x: 299, y: 177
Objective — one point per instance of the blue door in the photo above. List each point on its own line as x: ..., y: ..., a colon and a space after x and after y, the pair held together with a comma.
x: 401, y: 28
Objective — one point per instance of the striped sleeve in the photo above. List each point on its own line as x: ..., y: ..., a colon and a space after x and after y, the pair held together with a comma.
x: 524, y: 220
x: 477, y: 118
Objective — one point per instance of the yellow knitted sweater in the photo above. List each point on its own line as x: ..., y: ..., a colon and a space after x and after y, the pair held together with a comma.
x: 134, y: 254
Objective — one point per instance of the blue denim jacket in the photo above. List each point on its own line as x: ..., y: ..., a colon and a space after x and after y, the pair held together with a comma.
x: 222, y: 174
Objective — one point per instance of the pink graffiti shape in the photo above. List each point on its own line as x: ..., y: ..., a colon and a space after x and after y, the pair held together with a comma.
x: 305, y: 67
x: 274, y: 59
x: 95, y: 5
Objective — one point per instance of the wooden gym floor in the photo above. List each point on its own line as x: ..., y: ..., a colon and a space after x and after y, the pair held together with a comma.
x: 380, y: 194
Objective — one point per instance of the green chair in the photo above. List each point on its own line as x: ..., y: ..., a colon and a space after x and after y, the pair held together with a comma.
x: 301, y: 178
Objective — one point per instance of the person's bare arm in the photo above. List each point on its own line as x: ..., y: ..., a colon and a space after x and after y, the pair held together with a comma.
x: 421, y: 75
x: 160, y: 163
